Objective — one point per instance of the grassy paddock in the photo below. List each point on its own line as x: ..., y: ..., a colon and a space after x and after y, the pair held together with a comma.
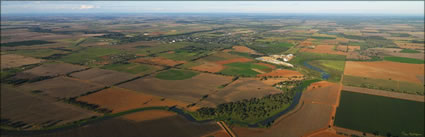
x: 383, y: 84
x: 380, y: 115
x: 243, y: 69
x: 175, y: 74
x: 404, y: 60
x: 133, y: 68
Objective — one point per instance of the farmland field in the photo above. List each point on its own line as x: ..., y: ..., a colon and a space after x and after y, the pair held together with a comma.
x: 19, y: 105
x: 243, y: 69
x: 188, y: 90
x: 405, y: 60
x: 89, y: 56
x: 385, y: 115
x: 175, y: 74
x: 11, y: 61
x: 119, y: 99
x: 103, y: 76
x: 383, y: 84
x: 133, y: 68
x: 62, y: 87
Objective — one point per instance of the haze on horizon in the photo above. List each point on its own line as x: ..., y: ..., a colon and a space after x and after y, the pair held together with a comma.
x: 301, y: 7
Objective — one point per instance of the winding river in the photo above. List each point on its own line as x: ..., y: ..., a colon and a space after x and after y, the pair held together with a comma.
x: 324, y: 74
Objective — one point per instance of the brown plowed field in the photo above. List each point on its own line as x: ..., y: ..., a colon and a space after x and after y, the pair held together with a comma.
x: 102, y: 76
x: 244, y: 49
x: 309, y: 118
x: 188, y: 90
x: 233, y: 61
x: 418, y: 98
x: 148, y: 115
x: 281, y: 73
x: 18, y: 104
x: 243, y: 88
x: 54, y: 69
x: 209, y: 67
x: 328, y: 49
x: 347, y: 48
x: 119, y: 99
x: 62, y: 87
x: 385, y: 70
x: 173, y: 126
x: 157, y: 61
x: 12, y: 60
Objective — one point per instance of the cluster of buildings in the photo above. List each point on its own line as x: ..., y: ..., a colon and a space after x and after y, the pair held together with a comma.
x: 277, y: 59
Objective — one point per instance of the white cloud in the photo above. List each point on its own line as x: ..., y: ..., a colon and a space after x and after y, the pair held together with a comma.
x: 83, y: 7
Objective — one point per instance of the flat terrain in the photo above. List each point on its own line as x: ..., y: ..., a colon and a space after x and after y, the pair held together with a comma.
x: 12, y: 60
x: 102, y: 76
x: 375, y: 92
x: 176, y: 126
x: 189, y: 90
x: 281, y: 73
x: 327, y: 49
x: 35, y: 111
x: 313, y: 114
x: 243, y: 88
x: 148, y: 115
x: 54, y: 69
x: 385, y: 70
x: 386, y: 115
x: 157, y: 61
x: 119, y: 99
x: 62, y: 87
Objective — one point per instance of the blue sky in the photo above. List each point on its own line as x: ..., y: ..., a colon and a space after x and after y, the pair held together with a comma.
x: 334, y: 7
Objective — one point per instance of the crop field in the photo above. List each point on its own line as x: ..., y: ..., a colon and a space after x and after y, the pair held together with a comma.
x: 25, y: 110
x: 157, y: 61
x: 120, y: 99
x: 386, y: 116
x: 54, y: 69
x: 208, y: 67
x: 387, y: 70
x: 324, y: 49
x: 188, y: 90
x: 281, y: 73
x: 133, y: 68
x: 405, y: 60
x: 246, y: 69
x: 333, y: 67
x: 37, y: 53
x: 159, y: 48
x: 103, y: 76
x: 243, y: 88
x: 148, y: 115
x: 409, y: 51
x: 274, y: 48
x: 12, y: 60
x: 176, y: 74
x: 62, y: 87
x: 90, y: 56
x: 384, y: 84
x: 244, y: 49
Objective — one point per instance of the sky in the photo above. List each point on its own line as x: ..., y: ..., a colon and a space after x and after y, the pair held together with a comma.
x: 328, y: 7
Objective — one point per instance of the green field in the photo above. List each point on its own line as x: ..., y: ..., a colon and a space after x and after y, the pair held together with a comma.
x: 335, y: 68
x: 302, y: 57
x: 38, y: 53
x: 89, y: 56
x: 176, y: 74
x: 404, y: 60
x: 182, y: 55
x: 133, y: 68
x: 380, y: 115
x: 384, y: 84
x: 274, y: 48
x: 409, y: 51
x: 243, y: 69
x: 25, y: 43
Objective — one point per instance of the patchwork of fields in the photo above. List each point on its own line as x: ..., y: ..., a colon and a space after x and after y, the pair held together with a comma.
x: 148, y: 75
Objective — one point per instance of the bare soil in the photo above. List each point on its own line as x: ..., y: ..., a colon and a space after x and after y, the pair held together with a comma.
x: 12, y: 60
x: 102, y: 76
x: 385, y: 70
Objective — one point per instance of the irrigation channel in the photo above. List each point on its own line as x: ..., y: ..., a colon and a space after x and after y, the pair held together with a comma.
x: 179, y: 111
x: 324, y: 74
